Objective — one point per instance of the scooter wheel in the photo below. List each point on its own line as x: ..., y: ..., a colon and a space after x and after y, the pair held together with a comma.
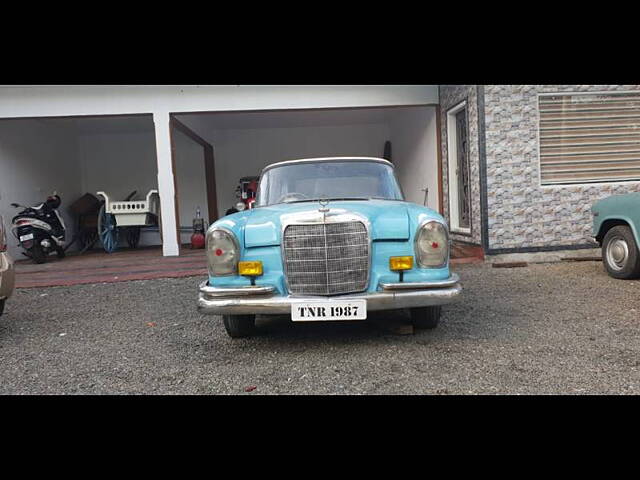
x: 61, y: 253
x: 38, y: 254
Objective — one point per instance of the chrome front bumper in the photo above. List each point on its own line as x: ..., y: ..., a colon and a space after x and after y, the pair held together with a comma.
x: 7, y: 276
x: 262, y: 300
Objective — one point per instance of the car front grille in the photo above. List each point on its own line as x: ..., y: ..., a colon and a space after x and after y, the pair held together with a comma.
x: 326, y: 258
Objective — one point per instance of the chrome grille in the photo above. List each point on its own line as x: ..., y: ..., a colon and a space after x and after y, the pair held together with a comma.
x: 326, y: 258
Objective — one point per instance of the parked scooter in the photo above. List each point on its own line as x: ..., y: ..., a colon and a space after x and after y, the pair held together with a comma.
x: 40, y: 229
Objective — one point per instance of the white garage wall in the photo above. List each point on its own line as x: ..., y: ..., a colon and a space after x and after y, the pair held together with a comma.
x: 36, y: 158
x: 414, y: 152
x: 118, y: 163
x: 240, y: 152
x: 244, y: 152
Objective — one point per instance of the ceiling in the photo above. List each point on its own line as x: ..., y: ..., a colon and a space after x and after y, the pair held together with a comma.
x: 119, y: 124
x: 292, y: 118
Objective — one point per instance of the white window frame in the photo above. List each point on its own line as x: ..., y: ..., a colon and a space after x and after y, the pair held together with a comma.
x: 573, y: 185
x: 452, y: 161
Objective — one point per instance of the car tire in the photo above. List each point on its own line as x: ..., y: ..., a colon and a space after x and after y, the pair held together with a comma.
x: 425, y: 317
x: 620, y: 253
x: 239, y: 326
x: 2, y: 302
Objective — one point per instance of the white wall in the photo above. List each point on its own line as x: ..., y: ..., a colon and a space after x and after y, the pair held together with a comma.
x: 414, y: 153
x: 35, y: 159
x: 240, y: 153
x: 119, y: 163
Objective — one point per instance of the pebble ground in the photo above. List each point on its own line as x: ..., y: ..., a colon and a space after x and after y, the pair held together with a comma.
x: 562, y: 328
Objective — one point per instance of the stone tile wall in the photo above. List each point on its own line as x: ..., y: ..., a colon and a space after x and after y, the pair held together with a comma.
x: 522, y: 213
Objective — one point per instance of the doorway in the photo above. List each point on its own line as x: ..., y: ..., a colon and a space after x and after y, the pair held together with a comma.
x: 458, y: 168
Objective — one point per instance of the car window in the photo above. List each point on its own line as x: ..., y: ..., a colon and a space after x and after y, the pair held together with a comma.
x: 298, y: 182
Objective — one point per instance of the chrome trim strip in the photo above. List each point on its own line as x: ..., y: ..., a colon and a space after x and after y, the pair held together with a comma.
x: 327, y: 159
x: 281, y: 305
x: 209, y: 291
x: 452, y: 280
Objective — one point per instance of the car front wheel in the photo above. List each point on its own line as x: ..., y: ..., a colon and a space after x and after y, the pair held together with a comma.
x: 426, y: 317
x: 620, y: 253
x: 239, y: 326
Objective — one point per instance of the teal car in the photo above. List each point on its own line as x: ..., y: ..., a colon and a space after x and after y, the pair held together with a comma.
x: 328, y: 239
x: 616, y: 221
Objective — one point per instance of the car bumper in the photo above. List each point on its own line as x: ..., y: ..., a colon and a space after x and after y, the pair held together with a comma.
x: 265, y: 299
x: 7, y: 276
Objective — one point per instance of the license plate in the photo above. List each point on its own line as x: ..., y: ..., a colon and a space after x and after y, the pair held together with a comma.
x: 28, y: 236
x: 328, y: 310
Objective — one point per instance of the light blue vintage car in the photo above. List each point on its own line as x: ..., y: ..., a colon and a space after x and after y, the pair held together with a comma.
x: 328, y: 239
x: 616, y: 224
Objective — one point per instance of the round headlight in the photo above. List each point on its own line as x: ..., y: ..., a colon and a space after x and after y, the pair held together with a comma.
x: 432, y: 245
x: 240, y: 206
x: 223, y: 252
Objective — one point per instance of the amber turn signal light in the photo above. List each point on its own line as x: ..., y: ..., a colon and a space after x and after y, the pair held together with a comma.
x: 400, y: 263
x: 250, y: 268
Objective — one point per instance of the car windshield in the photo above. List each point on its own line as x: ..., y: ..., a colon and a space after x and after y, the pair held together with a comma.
x: 333, y: 180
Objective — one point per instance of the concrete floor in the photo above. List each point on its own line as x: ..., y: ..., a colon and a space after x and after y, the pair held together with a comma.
x: 554, y: 329
x: 98, y: 266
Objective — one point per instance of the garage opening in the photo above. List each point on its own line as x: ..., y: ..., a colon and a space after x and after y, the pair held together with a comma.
x: 75, y: 156
x: 211, y: 152
x: 245, y: 142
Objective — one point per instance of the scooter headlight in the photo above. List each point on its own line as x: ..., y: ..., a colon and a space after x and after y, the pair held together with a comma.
x: 223, y: 252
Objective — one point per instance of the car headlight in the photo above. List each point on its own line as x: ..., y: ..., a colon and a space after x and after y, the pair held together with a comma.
x: 432, y: 245
x: 223, y: 252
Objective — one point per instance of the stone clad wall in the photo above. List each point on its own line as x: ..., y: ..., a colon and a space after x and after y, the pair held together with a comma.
x: 521, y: 213
x: 450, y: 96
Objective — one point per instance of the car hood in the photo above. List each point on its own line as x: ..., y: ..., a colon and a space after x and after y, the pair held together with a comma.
x: 389, y: 220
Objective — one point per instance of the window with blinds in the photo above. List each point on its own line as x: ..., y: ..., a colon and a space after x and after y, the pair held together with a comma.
x: 586, y: 138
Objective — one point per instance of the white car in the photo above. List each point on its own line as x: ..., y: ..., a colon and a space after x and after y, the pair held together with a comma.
x: 7, y: 271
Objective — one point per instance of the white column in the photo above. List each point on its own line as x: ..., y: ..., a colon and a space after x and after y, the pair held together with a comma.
x: 166, y: 187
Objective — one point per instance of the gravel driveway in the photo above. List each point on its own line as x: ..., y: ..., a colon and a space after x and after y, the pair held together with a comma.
x: 549, y: 328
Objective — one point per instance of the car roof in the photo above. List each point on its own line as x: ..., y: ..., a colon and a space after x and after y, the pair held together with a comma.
x: 327, y: 159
